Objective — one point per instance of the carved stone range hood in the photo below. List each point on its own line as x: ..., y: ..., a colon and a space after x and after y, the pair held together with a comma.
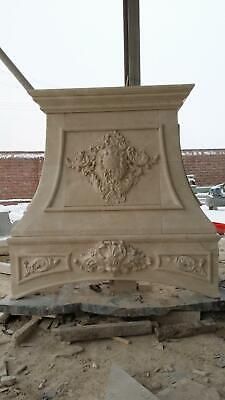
x: 113, y: 201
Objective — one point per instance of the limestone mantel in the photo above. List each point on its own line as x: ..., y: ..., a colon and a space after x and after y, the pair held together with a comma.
x: 113, y: 201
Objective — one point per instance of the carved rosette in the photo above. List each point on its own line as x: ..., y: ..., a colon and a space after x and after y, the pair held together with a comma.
x: 113, y: 166
x: 114, y: 257
x: 196, y: 265
x: 39, y: 264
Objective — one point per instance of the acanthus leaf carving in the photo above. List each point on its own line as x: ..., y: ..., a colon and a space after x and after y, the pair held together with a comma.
x: 196, y: 265
x: 39, y: 264
x: 113, y: 166
x: 115, y: 257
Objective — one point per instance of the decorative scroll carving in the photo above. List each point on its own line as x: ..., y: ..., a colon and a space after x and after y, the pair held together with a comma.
x: 196, y: 265
x: 39, y: 264
x: 113, y: 166
x: 115, y: 257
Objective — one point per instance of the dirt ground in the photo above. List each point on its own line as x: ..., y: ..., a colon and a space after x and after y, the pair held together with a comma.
x: 84, y: 376
x: 54, y: 372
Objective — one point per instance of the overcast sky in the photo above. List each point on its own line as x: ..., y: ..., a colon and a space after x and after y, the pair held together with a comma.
x: 79, y: 43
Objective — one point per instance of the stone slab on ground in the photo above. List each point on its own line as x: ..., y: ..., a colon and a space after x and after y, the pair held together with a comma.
x: 5, y: 223
x: 68, y: 300
x: 122, y: 386
x: 5, y: 268
x: 4, y: 249
x: 187, y: 389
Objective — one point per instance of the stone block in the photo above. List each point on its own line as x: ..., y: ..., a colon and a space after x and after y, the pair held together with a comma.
x: 122, y: 386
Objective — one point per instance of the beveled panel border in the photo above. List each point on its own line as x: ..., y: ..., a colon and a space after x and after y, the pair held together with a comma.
x: 165, y: 170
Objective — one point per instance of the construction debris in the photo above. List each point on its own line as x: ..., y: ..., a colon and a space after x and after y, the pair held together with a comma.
x: 70, y: 352
x: 7, y: 380
x: 123, y: 386
x: 4, y: 317
x: 21, y: 334
x: 4, y: 368
x: 21, y: 369
x: 166, y: 332
x: 121, y: 340
x: 101, y: 331
x: 5, y: 268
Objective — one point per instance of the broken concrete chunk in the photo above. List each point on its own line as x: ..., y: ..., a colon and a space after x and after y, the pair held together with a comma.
x: 20, y: 369
x: 71, y: 351
x: 21, y: 334
x: 7, y: 380
x: 123, y: 386
x: 4, y: 317
x: 187, y: 389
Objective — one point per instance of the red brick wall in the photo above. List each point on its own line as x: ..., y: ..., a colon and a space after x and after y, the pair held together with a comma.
x: 19, y: 174
x: 208, y: 166
x: 20, y: 171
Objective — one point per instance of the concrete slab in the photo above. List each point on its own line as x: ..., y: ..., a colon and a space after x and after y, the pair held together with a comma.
x: 70, y: 300
x: 123, y: 386
x: 4, y: 249
x: 5, y: 223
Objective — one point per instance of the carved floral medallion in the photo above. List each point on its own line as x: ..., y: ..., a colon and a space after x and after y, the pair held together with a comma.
x: 115, y: 257
x: 39, y: 264
x: 113, y: 166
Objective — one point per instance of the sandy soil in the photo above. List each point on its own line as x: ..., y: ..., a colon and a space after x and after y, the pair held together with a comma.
x: 84, y: 376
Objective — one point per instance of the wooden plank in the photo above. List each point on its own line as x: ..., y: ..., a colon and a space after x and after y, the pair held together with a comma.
x: 21, y: 334
x: 166, y: 332
x: 178, y: 317
x: 103, y: 331
x: 121, y: 340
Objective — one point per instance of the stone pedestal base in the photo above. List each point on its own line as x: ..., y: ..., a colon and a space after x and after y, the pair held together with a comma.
x: 113, y: 201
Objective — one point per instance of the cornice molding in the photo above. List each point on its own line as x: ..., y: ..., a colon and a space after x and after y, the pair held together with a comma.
x: 162, y: 97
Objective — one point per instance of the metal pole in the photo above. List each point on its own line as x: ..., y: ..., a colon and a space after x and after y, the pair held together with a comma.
x: 131, y: 28
x: 15, y: 71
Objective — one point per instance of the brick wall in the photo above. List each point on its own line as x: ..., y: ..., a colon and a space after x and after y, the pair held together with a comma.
x: 20, y: 171
x: 19, y: 174
x: 208, y: 166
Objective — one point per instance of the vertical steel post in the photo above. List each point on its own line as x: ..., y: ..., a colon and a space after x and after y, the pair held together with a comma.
x: 131, y: 28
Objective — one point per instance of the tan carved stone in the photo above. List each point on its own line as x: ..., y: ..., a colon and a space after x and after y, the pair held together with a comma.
x: 39, y: 264
x: 113, y: 166
x: 141, y: 222
x: 113, y: 256
x: 193, y: 265
x: 196, y: 265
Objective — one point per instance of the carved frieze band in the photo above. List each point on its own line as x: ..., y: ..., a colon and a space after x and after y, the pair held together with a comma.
x: 115, y: 257
x: 112, y: 166
x: 196, y: 265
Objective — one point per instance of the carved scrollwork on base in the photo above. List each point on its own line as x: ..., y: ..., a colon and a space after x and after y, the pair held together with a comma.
x: 35, y: 265
x: 39, y: 264
x: 115, y: 257
x: 113, y: 166
x: 198, y: 266
x: 193, y: 265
